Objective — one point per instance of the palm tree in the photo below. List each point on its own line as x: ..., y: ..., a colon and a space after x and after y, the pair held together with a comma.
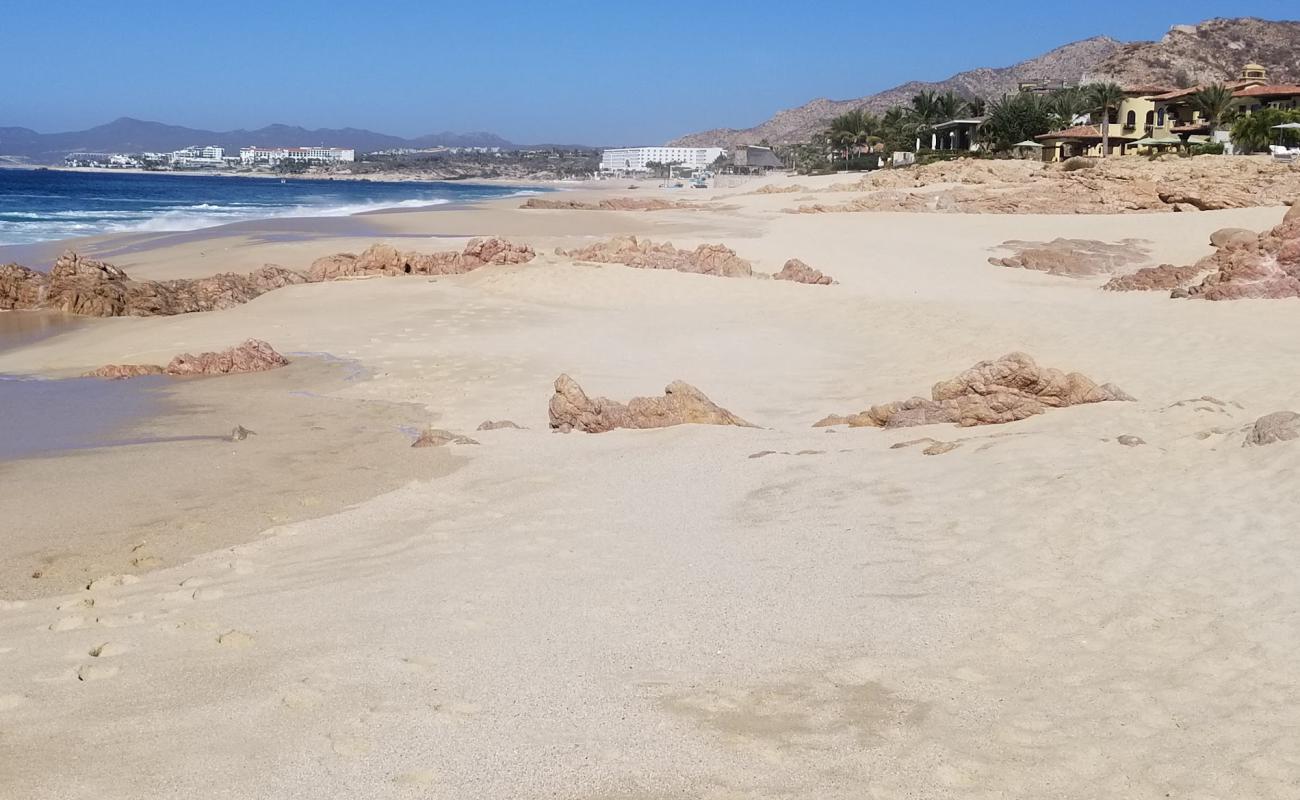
x: 1214, y: 102
x: 1069, y: 103
x: 925, y: 112
x: 949, y: 105
x: 853, y: 129
x: 1104, y: 97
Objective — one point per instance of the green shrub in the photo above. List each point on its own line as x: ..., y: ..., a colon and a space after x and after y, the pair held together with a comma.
x: 1208, y: 149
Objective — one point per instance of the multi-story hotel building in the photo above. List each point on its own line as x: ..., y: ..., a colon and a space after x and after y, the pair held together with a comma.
x: 636, y: 159
x: 274, y: 155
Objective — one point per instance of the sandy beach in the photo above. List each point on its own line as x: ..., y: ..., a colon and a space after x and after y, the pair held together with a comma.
x: 321, y: 611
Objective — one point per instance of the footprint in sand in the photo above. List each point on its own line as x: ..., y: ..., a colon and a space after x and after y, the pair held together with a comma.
x: 302, y: 696
x: 419, y: 778
x: 107, y: 649
x: 109, y: 581
x: 76, y: 605
x: 236, y: 639
x: 420, y: 663
x: 348, y: 745
x: 68, y: 623
x: 95, y: 671
x: 111, y: 621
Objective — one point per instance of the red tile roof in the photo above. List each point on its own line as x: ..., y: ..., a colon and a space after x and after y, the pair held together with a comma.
x: 1236, y: 85
x: 1084, y: 132
x: 1268, y: 90
x: 1146, y: 91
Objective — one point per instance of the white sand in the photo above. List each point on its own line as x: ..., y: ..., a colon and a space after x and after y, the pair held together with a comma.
x: 1041, y: 613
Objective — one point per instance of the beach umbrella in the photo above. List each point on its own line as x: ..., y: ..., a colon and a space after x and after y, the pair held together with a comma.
x: 1288, y: 126
x: 1027, y: 143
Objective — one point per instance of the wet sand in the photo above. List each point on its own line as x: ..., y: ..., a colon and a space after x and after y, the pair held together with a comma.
x: 22, y: 328
x: 149, y: 476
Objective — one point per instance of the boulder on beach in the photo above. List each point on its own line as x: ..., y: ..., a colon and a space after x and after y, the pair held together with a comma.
x: 1280, y: 426
x: 1007, y: 389
x: 799, y: 272
x: 681, y: 404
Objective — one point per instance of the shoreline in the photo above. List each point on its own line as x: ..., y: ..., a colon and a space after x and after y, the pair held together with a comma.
x: 378, y: 177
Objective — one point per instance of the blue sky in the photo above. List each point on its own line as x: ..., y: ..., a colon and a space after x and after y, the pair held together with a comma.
x: 598, y: 73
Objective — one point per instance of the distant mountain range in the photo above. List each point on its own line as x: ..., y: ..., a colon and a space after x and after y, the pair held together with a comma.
x: 1211, y: 51
x: 127, y: 135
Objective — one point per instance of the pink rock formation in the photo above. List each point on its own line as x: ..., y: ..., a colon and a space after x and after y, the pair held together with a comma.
x: 1164, y: 277
x: 1245, y: 265
x: 254, y: 355
x: 1280, y: 426
x: 799, y: 272
x: 1074, y: 258
x: 707, y: 259
x: 384, y: 259
x: 572, y: 409
x: 1010, y: 388
x: 77, y: 285
x: 436, y: 437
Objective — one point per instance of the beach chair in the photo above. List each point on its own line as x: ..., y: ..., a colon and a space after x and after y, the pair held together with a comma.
x: 1282, y: 154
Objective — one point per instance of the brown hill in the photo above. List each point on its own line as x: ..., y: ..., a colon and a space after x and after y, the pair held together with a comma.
x: 1211, y: 51
x: 1188, y: 54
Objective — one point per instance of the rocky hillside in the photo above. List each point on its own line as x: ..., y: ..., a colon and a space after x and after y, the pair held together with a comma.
x: 1213, y: 50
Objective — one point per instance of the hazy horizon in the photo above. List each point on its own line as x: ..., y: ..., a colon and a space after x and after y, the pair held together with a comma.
x: 579, y: 72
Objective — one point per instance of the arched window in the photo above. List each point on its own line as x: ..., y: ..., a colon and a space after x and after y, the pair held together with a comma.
x: 1131, y: 120
x: 1150, y: 118
x: 1160, y: 118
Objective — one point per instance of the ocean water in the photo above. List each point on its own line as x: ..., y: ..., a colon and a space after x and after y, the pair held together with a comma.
x: 47, y: 205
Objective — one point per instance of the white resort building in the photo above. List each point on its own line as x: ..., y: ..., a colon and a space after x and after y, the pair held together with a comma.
x: 636, y: 159
x: 196, y: 156
x: 274, y: 155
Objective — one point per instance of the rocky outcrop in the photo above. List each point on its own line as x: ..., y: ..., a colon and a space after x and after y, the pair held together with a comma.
x: 799, y: 272
x: 682, y: 404
x: 1164, y: 277
x: 1245, y: 265
x: 77, y: 285
x: 1073, y: 258
x: 253, y: 355
x: 384, y: 259
x: 437, y: 437
x: 1206, y: 198
x: 1280, y: 426
x: 707, y: 259
x: 1007, y: 389
x: 614, y: 204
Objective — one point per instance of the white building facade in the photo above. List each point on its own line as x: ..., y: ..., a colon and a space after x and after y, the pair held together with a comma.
x: 636, y: 159
x: 196, y: 156
x: 274, y: 155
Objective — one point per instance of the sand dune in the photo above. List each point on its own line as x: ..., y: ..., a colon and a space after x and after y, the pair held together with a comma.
x: 1040, y: 611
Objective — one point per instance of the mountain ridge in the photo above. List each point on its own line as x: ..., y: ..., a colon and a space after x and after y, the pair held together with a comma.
x: 131, y: 135
x: 1211, y: 50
